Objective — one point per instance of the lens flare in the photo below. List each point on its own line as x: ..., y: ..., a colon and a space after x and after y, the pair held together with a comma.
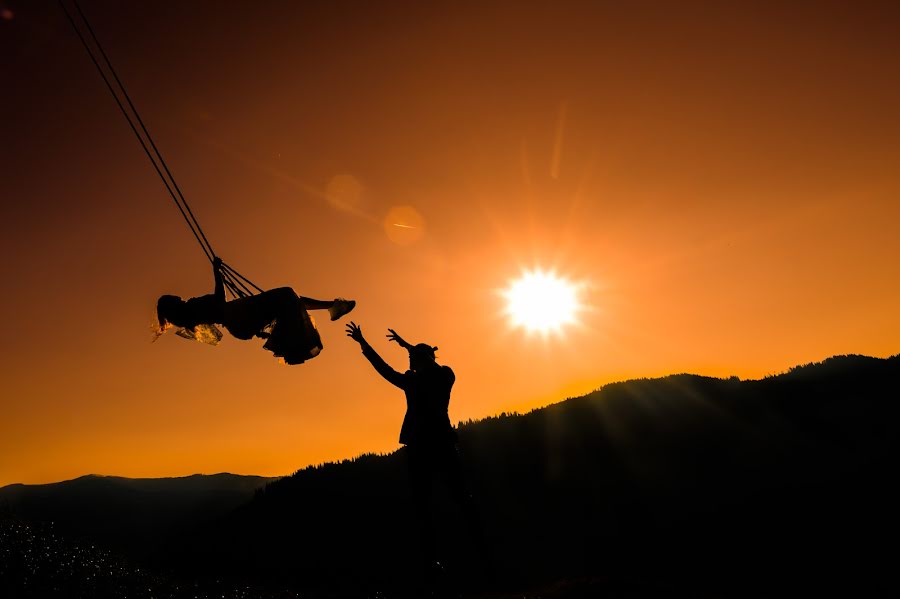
x: 542, y: 302
x: 404, y: 225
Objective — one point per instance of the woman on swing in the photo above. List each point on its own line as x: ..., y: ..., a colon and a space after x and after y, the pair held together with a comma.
x: 279, y: 316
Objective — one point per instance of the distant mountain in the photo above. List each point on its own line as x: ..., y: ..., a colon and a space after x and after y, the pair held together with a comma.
x: 693, y: 483
x: 134, y: 514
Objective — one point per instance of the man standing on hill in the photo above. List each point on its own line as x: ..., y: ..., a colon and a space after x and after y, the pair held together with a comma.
x: 428, y: 436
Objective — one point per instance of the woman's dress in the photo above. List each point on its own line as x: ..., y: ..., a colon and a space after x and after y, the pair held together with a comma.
x: 280, y: 315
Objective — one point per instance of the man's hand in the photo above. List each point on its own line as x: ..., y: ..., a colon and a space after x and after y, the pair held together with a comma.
x: 393, y: 336
x: 217, y: 263
x: 355, y: 332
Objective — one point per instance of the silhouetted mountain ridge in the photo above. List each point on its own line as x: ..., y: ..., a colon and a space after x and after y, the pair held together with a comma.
x: 686, y: 484
x: 687, y: 480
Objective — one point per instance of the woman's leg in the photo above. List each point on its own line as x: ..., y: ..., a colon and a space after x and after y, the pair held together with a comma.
x: 316, y: 304
x: 336, y: 307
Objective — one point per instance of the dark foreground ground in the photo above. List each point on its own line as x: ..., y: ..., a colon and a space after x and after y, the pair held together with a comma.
x: 37, y: 562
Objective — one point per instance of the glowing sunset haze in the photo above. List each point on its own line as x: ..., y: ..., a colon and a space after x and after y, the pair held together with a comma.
x: 718, y: 182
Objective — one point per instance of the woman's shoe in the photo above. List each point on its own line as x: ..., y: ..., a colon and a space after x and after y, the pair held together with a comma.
x: 340, y: 307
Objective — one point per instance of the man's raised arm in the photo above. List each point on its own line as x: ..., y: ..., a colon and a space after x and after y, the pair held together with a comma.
x: 390, y: 375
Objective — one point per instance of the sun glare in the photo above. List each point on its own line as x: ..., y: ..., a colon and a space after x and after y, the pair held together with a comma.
x: 541, y: 302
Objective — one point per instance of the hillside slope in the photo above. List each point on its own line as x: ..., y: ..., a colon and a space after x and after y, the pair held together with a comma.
x: 683, y: 481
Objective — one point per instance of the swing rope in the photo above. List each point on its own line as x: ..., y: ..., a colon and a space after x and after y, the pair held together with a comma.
x: 237, y: 284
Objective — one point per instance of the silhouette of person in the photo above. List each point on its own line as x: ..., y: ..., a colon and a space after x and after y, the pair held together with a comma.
x: 279, y: 316
x: 430, y: 440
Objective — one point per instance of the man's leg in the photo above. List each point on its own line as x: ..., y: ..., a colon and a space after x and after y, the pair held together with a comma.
x: 459, y: 492
x: 451, y: 466
x: 419, y: 464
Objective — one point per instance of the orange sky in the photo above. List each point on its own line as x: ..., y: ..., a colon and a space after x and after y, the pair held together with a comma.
x: 726, y: 182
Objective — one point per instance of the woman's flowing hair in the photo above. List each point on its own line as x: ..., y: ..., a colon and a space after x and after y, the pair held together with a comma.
x: 204, y: 333
x: 166, y: 307
x: 158, y: 329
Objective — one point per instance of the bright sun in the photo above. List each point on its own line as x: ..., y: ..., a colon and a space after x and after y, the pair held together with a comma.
x: 541, y: 302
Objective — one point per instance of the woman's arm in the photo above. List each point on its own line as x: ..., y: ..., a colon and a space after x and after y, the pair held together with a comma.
x: 219, y: 291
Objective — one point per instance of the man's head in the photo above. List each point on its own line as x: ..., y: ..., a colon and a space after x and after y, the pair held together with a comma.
x: 421, y: 357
